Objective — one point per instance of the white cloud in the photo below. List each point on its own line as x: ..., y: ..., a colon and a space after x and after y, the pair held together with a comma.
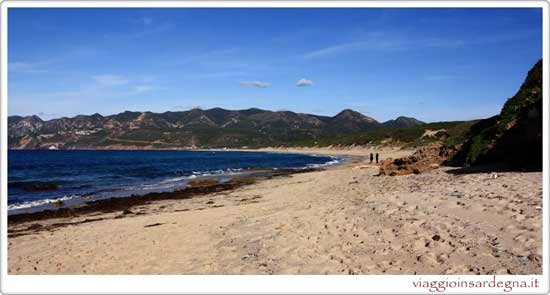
x: 304, y: 82
x: 110, y: 80
x: 258, y: 84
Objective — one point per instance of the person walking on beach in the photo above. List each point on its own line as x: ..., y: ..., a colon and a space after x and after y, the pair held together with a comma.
x: 376, y: 158
x: 371, y: 157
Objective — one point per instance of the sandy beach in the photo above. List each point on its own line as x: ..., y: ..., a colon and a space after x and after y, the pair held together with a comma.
x: 341, y: 220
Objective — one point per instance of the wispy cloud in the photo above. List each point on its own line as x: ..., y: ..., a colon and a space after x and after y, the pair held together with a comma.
x: 151, y: 31
x: 374, y: 44
x: 27, y: 67
x: 400, y: 41
x: 373, y: 40
x: 335, y: 49
x: 142, y: 31
x: 57, y: 64
x: 258, y: 84
x: 304, y: 82
x: 110, y: 80
x: 105, y: 86
x: 220, y: 63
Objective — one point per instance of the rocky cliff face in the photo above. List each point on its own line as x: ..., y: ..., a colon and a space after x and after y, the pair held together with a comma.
x: 514, y: 137
x: 215, y: 127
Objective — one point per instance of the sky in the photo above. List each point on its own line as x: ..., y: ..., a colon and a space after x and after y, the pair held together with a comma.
x: 431, y: 64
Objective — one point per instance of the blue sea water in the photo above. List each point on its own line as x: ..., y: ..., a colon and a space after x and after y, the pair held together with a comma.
x: 102, y: 174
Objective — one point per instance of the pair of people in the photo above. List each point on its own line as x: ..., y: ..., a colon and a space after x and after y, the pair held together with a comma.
x: 372, y: 157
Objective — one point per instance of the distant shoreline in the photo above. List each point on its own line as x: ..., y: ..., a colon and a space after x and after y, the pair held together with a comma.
x: 355, y: 151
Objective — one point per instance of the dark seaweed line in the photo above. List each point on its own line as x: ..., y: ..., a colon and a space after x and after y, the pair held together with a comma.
x: 125, y: 204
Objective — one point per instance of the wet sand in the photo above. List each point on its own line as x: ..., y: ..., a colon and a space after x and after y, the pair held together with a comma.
x: 343, y: 220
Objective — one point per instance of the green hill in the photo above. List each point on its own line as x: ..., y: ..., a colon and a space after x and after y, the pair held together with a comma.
x: 514, y: 137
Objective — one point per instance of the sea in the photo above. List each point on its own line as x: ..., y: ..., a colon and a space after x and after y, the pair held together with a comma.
x: 39, y: 178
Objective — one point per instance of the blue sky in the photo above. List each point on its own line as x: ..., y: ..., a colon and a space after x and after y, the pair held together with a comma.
x: 432, y: 64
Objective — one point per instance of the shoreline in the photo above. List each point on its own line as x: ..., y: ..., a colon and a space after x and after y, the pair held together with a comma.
x: 206, y: 185
x: 250, y: 173
x: 342, y: 220
x: 349, y: 156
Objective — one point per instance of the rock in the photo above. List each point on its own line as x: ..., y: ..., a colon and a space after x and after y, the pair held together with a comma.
x: 436, y: 238
x: 424, y: 159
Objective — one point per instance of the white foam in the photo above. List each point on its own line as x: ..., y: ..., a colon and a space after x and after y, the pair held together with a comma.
x: 164, y: 184
x: 170, y: 182
x: 334, y: 161
x: 36, y: 203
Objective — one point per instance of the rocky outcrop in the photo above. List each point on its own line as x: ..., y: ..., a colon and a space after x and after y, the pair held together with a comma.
x: 424, y: 159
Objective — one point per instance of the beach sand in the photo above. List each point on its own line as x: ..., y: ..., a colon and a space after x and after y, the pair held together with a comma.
x: 342, y: 220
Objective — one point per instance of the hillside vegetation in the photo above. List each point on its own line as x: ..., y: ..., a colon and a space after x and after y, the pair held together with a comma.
x: 449, y: 133
x: 512, y: 138
x: 197, y: 128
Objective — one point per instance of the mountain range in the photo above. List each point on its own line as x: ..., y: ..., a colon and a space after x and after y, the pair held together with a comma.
x: 196, y: 128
